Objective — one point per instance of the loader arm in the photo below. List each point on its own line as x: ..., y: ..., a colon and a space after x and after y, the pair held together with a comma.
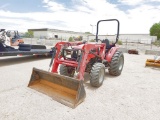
x: 57, y: 60
x: 85, y: 57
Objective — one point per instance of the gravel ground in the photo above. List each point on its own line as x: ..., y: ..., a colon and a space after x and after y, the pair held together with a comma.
x: 134, y: 95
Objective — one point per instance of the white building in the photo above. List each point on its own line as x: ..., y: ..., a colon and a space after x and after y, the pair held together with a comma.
x: 56, y: 34
x: 65, y: 35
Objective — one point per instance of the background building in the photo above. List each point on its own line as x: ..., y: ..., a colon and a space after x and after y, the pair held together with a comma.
x: 47, y: 33
x: 63, y: 35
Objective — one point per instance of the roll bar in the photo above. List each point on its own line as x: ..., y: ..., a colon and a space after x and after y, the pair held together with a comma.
x: 118, y: 25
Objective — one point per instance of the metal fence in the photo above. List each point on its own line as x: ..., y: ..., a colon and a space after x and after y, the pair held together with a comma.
x: 37, y: 41
x: 141, y: 45
x: 128, y: 44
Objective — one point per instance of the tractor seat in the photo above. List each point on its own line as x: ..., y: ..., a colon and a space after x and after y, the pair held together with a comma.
x: 106, y: 41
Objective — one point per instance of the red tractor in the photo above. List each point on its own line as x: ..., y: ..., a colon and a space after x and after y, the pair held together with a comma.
x: 71, y: 61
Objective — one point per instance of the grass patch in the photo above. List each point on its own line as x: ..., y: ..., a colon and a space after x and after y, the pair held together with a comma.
x: 119, y: 42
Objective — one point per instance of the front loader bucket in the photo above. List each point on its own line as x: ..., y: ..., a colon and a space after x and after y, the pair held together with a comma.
x: 154, y: 63
x: 66, y: 90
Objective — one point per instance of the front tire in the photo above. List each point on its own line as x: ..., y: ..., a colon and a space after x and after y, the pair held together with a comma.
x: 116, y: 64
x: 97, y: 74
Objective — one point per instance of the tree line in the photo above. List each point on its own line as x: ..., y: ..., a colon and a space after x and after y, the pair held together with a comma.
x: 155, y: 30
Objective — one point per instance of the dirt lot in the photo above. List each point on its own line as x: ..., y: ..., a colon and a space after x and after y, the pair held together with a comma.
x: 135, y: 95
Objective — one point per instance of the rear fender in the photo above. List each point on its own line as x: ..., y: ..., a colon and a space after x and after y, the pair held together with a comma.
x: 110, y: 53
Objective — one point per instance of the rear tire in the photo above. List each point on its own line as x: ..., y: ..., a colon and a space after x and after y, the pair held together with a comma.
x: 66, y: 71
x: 116, y: 64
x: 97, y: 74
x: 63, y: 70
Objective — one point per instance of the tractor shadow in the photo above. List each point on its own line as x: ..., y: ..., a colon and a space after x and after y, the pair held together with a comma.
x: 6, y: 61
x: 87, y: 84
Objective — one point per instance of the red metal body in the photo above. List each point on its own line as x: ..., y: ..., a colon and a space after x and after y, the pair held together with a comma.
x: 111, y: 53
x: 98, y: 51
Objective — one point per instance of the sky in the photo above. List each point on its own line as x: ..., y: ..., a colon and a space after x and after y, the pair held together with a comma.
x: 135, y: 16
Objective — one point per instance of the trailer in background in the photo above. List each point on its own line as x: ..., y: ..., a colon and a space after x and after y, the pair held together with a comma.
x: 24, y: 49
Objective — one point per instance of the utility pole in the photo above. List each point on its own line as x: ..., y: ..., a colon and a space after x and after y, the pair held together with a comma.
x: 92, y: 27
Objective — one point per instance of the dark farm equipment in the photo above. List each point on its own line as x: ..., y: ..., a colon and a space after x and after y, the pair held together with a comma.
x: 15, y: 38
x: 133, y: 51
x: 10, y: 37
x: 74, y: 59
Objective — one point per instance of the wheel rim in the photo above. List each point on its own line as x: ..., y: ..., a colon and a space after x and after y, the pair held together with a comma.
x: 101, y: 75
x: 120, y: 63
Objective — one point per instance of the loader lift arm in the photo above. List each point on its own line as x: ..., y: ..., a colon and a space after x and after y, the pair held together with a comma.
x: 86, y: 56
